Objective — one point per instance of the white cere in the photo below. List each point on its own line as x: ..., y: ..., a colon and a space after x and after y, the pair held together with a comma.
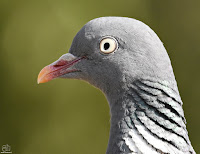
x: 108, y: 45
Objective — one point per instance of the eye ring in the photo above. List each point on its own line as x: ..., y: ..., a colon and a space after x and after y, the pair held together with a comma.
x: 108, y: 45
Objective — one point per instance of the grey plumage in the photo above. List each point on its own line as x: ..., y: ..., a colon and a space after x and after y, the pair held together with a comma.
x: 138, y: 82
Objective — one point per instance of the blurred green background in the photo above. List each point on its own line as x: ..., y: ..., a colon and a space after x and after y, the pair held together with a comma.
x: 70, y: 116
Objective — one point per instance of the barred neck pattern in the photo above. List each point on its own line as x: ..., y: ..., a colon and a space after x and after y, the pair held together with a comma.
x: 149, y: 119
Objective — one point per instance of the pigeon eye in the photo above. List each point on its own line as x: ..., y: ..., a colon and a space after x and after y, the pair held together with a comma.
x: 108, y: 45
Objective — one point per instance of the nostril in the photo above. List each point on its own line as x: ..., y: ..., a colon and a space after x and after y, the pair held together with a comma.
x: 60, y: 63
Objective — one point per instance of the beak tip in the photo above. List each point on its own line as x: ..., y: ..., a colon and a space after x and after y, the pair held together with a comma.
x: 41, y: 79
x: 44, y: 76
x: 38, y: 81
x: 41, y: 76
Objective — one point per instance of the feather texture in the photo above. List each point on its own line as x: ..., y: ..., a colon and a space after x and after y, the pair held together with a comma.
x: 157, y: 119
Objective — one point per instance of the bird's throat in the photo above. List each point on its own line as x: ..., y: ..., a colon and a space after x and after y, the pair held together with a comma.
x: 121, y: 111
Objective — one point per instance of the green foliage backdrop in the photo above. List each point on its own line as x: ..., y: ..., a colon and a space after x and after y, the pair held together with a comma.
x: 70, y: 116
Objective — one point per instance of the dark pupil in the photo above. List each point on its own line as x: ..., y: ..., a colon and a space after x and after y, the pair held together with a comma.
x: 106, y: 46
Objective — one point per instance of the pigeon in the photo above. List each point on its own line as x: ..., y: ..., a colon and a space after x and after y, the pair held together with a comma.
x: 126, y: 60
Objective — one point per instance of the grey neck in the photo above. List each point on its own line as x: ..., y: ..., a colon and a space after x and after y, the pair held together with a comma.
x: 120, y: 124
x: 146, y: 113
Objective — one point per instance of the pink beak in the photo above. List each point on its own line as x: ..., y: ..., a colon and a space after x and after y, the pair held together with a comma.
x: 57, y: 69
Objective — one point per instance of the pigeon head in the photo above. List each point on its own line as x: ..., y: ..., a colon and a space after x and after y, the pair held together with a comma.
x: 126, y: 60
x: 109, y: 53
